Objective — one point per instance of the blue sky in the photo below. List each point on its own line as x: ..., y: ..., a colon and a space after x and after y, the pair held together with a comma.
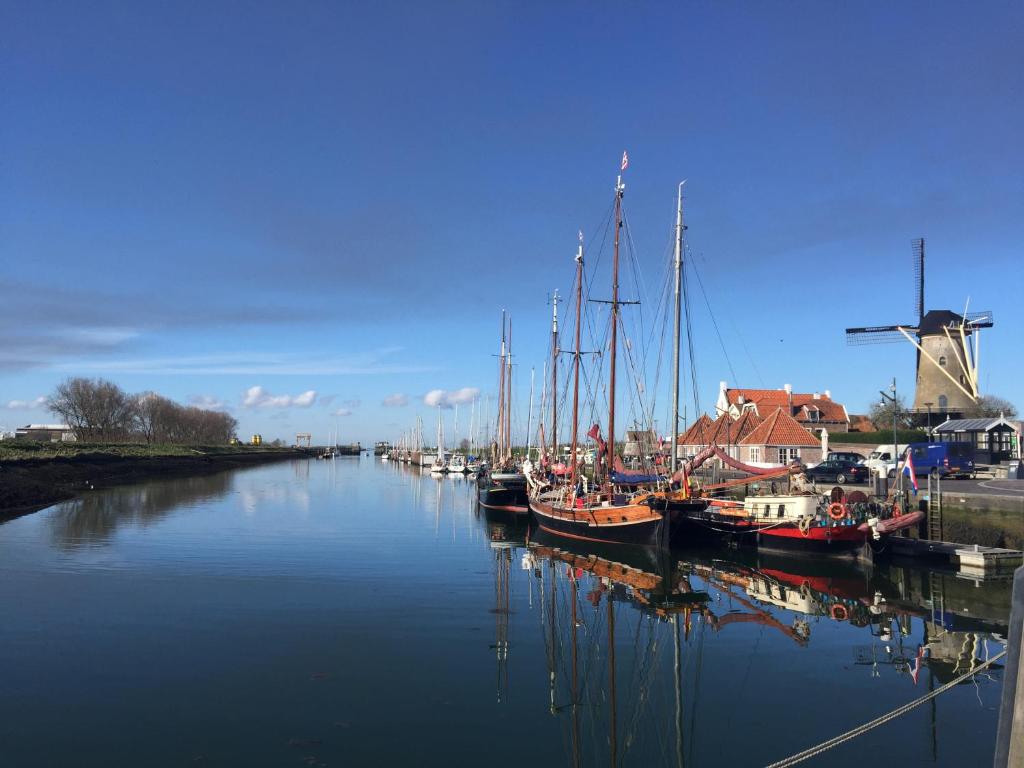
x: 207, y: 198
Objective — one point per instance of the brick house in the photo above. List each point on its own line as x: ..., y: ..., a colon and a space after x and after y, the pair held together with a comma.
x: 814, y: 411
x: 725, y: 432
x: 779, y: 440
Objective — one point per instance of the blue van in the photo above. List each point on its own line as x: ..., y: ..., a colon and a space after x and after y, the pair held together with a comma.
x: 948, y: 459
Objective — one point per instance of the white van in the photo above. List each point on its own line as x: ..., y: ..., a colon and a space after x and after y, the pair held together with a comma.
x: 883, y: 459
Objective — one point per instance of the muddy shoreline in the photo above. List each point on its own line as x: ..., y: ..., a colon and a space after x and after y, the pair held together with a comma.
x: 29, y: 485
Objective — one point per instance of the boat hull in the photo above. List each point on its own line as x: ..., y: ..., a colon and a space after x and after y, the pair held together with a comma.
x: 632, y: 524
x: 508, y: 497
x: 844, y: 540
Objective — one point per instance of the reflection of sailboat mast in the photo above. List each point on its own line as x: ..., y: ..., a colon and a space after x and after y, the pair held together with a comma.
x: 611, y: 679
x: 503, y: 558
x: 575, y: 693
x: 679, y: 691
x: 551, y: 643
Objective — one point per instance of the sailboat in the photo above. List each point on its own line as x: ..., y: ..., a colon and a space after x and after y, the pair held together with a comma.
x: 440, y: 466
x: 502, y: 486
x: 610, y: 512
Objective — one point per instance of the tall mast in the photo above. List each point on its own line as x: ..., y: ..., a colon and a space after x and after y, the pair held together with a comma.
x: 576, y: 358
x: 675, y: 334
x: 619, y: 189
x: 529, y: 418
x: 500, y: 444
x: 554, y: 376
x: 508, y: 397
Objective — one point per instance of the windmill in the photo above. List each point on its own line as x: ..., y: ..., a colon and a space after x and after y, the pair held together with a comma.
x: 947, y: 361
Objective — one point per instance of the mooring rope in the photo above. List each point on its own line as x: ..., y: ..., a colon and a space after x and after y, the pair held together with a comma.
x: 799, y: 757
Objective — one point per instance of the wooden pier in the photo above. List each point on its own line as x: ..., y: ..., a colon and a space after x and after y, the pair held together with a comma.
x: 972, y: 560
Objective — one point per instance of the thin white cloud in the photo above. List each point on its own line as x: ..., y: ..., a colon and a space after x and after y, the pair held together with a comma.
x: 258, y: 397
x: 446, y: 399
x: 253, y: 364
x: 28, y: 405
x: 342, y: 412
x: 207, y: 402
x: 396, y: 400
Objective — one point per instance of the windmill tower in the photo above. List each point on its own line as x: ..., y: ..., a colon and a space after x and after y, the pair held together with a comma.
x: 947, y: 361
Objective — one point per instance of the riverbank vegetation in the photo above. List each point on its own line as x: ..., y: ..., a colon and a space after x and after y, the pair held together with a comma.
x: 99, y: 411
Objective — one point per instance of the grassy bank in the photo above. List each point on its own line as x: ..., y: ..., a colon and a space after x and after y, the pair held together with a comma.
x: 35, y: 475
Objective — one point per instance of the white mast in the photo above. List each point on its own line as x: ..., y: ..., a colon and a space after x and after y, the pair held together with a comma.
x: 675, y: 335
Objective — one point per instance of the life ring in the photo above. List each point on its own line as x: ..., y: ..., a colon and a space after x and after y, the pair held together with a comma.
x: 837, y: 510
x: 839, y: 612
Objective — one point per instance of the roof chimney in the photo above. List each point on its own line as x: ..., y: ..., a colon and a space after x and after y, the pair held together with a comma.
x: 828, y: 395
x: 789, y: 396
x: 817, y: 396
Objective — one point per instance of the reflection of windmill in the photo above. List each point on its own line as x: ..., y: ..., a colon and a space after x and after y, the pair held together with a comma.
x: 947, y: 363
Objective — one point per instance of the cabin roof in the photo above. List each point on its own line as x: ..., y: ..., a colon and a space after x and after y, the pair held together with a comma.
x: 779, y: 428
x: 973, y: 425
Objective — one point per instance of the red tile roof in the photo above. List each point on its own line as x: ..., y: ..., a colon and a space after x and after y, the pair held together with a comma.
x: 767, y: 399
x: 780, y: 429
x: 698, y: 433
x: 722, y: 431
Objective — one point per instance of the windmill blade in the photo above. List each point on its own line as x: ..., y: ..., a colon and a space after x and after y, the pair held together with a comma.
x: 979, y: 319
x: 879, y: 334
x: 917, y: 246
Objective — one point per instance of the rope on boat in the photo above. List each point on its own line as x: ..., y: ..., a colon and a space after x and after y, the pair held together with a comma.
x: 799, y: 757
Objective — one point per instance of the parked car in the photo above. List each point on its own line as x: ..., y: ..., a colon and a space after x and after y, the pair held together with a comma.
x: 856, y: 458
x: 839, y: 471
x: 945, y: 459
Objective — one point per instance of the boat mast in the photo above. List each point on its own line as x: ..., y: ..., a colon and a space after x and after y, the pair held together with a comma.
x: 529, y: 418
x: 576, y: 359
x: 500, y: 444
x: 675, y: 334
x: 508, y: 397
x: 619, y: 189
x: 554, y: 377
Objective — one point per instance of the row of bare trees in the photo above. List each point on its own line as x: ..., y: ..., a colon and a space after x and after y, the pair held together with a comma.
x: 100, y: 411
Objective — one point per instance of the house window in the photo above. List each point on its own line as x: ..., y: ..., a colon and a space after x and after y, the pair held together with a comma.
x: 814, y: 415
x: 981, y: 440
x: 943, y: 402
x: 942, y: 360
x: 787, y: 455
x: 755, y: 453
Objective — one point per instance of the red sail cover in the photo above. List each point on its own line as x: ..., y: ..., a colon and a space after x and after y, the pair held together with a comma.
x: 712, y: 451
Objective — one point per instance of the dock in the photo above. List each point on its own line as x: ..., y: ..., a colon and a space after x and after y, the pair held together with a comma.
x: 972, y: 560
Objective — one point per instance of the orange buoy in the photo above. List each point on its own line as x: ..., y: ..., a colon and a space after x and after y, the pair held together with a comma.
x: 839, y: 612
x: 837, y: 510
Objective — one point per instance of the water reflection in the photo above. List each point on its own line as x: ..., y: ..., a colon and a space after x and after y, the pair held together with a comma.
x: 626, y: 631
x: 93, y: 519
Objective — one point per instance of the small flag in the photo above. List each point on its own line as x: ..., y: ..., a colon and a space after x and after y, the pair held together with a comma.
x: 595, y: 432
x: 581, y: 237
x: 625, y: 160
x: 908, y: 469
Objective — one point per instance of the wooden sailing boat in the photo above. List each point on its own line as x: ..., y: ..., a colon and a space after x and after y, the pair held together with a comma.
x: 610, y: 513
x: 502, y: 486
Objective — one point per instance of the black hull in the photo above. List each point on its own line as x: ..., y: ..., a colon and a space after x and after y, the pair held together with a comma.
x: 644, y: 534
x: 508, y: 499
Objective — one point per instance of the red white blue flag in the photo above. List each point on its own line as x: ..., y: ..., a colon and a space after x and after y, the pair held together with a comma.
x: 625, y: 160
x: 908, y: 469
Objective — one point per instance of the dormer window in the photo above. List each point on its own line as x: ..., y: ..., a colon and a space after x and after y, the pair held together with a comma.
x: 813, y: 414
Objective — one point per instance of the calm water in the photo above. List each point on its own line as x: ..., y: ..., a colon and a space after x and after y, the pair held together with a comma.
x: 353, y: 613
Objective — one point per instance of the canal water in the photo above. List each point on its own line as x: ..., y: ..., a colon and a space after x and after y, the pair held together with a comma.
x: 357, y: 613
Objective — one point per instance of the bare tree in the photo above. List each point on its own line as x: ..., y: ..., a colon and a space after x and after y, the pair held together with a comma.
x: 992, y: 406
x: 881, y: 415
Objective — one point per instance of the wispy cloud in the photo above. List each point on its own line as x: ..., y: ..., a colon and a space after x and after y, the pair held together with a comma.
x: 28, y: 405
x: 252, y: 364
x: 446, y: 399
x: 342, y: 412
x: 258, y: 397
x: 396, y: 400
x: 208, y: 402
